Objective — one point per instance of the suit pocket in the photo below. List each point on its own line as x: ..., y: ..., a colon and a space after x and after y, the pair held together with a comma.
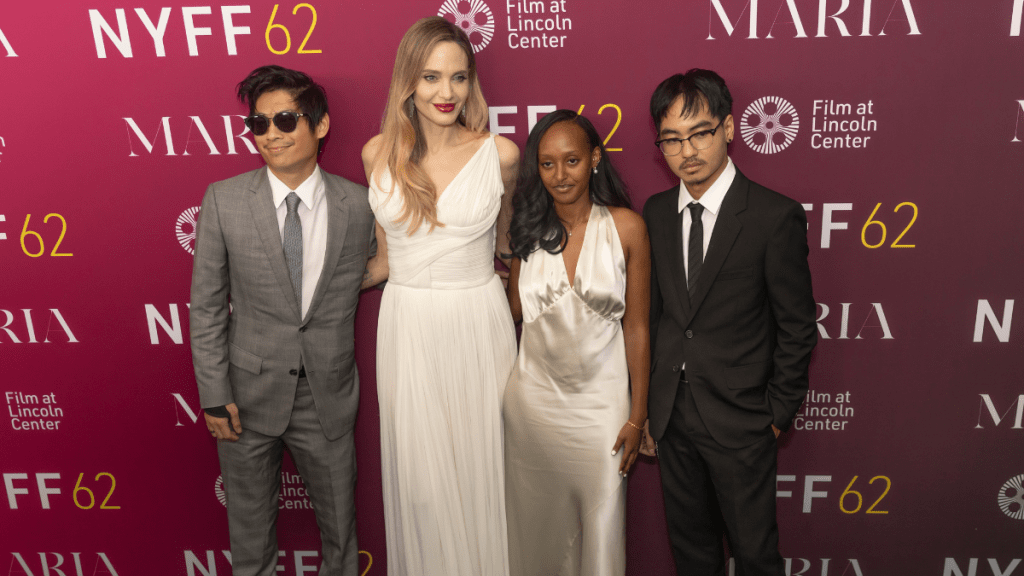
x: 736, y: 273
x: 245, y: 360
x: 347, y: 257
x: 352, y: 261
x: 747, y: 375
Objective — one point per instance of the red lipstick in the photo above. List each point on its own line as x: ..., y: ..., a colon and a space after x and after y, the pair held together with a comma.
x: 446, y: 108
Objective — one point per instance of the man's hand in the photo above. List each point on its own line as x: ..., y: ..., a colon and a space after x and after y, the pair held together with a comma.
x: 225, y: 428
x: 503, y: 274
x: 776, y: 430
x: 648, y: 447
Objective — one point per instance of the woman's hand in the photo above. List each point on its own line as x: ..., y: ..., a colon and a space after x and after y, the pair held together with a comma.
x: 629, y: 441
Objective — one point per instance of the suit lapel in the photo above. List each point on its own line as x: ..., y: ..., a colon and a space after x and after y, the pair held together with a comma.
x: 264, y: 215
x: 727, y: 228
x: 667, y: 239
x: 679, y: 268
x: 337, y: 229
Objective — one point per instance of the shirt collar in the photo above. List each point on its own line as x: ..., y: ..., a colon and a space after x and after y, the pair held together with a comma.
x: 309, y: 191
x: 712, y: 199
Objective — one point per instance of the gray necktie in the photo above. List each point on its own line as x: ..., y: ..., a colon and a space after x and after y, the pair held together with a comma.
x: 293, y: 244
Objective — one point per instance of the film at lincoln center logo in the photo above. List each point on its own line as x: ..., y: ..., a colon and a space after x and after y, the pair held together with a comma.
x: 474, y: 17
x: 185, y: 229
x: 769, y: 125
x: 1011, y: 497
x: 218, y: 489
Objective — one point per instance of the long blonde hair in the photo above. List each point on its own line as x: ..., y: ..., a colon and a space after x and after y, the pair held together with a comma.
x: 402, y: 145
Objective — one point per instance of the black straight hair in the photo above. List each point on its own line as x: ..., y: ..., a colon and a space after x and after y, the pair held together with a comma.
x: 535, y: 225
x: 307, y: 94
x: 698, y: 88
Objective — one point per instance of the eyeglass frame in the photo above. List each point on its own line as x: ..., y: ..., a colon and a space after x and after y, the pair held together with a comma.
x: 273, y: 120
x: 710, y: 132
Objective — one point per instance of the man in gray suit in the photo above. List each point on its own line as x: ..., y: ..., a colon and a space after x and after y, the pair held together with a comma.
x: 286, y: 247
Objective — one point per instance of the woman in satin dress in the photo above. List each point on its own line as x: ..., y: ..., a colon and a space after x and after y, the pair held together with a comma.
x: 576, y: 402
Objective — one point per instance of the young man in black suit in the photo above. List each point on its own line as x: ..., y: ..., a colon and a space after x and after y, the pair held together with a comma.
x: 732, y: 329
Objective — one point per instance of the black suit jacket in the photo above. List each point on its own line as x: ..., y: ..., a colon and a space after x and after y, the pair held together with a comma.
x: 746, y: 338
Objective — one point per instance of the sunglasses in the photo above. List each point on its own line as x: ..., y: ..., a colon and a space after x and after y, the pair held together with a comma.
x: 285, y: 122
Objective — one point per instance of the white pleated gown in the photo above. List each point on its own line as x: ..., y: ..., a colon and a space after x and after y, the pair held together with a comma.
x: 445, y: 348
x: 566, y: 401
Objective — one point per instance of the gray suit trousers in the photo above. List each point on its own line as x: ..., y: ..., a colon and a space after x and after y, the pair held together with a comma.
x: 251, y: 469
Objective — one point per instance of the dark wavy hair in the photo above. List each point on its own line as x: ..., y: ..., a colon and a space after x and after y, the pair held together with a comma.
x: 308, y: 95
x: 535, y: 225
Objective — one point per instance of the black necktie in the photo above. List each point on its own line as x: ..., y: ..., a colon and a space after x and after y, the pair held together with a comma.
x: 696, y: 248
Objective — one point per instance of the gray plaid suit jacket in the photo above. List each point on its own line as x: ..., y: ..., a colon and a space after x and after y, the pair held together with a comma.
x: 248, y: 354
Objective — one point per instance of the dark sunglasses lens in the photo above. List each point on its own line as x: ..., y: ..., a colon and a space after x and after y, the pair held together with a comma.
x: 286, y: 121
x: 258, y: 125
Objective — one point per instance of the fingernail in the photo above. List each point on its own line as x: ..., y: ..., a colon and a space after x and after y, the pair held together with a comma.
x: 624, y: 474
x: 613, y: 452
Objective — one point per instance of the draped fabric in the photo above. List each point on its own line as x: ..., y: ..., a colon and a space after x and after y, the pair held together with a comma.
x: 445, y: 347
x: 565, y: 403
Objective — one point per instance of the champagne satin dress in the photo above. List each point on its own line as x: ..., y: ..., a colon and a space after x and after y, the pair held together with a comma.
x: 565, y: 402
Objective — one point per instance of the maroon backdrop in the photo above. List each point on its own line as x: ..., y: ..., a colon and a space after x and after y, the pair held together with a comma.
x: 898, y: 123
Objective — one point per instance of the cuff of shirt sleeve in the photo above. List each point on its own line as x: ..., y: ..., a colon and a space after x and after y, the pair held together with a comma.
x: 218, y: 411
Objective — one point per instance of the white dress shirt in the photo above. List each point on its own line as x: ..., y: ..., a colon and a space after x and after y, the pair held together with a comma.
x: 313, y: 215
x: 712, y: 203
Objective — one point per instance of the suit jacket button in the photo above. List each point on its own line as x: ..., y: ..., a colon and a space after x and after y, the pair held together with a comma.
x: 675, y: 368
x: 689, y: 333
x: 293, y: 372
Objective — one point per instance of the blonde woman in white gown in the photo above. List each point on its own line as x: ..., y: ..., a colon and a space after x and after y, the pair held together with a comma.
x: 440, y: 190
x: 576, y: 403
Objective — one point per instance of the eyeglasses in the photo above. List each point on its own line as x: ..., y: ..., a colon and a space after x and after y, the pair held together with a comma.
x: 285, y: 122
x: 700, y: 141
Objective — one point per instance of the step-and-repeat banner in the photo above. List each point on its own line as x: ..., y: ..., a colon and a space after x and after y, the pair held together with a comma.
x: 899, y: 124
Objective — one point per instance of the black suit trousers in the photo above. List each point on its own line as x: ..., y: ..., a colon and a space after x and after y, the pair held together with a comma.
x: 711, y: 490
